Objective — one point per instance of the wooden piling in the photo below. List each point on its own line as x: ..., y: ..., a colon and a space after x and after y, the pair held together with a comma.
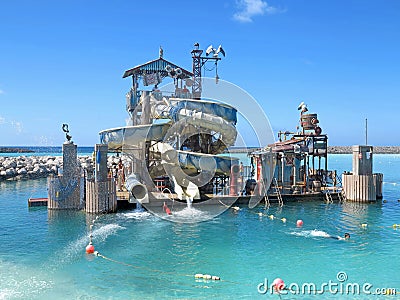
x: 101, y: 196
x: 360, y: 188
x: 362, y: 185
x: 378, y: 177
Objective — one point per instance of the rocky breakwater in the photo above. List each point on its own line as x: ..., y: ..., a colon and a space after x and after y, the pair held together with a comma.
x: 23, y: 167
x: 32, y: 167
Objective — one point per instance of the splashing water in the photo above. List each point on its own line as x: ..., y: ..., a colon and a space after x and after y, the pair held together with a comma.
x: 74, y: 249
x: 29, y: 283
x: 190, y: 215
x: 136, y: 214
x: 311, y: 233
x: 189, y: 202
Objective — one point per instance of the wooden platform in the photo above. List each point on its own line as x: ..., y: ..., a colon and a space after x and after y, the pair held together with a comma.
x: 33, y: 202
x: 122, y: 195
x: 157, y: 200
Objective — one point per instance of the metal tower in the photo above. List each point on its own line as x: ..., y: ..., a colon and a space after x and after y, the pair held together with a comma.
x: 197, y: 64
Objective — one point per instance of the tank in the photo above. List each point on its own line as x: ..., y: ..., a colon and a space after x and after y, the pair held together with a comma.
x: 309, y: 121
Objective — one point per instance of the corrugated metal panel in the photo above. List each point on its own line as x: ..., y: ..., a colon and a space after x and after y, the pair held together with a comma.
x: 157, y: 65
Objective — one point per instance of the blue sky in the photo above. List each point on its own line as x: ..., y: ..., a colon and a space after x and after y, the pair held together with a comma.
x: 62, y: 62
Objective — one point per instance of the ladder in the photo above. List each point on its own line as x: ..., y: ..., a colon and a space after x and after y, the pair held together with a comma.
x: 266, y: 199
x: 342, y: 196
x: 328, y: 196
x: 278, y: 193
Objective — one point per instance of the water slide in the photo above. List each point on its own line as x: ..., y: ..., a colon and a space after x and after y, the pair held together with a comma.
x: 184, y: 117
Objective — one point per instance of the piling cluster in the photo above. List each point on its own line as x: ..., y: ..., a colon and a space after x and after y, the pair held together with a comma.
x: 32, y: 167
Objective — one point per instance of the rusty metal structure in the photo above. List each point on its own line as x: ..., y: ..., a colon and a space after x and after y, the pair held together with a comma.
x: 300, y: 161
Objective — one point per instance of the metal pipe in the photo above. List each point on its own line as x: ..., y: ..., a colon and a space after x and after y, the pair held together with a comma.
x: 283, y: 168
x: 137, y: 189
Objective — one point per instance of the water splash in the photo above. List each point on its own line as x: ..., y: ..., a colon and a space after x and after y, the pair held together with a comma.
x: 76, y: 248
x: 136, y: 214
x: 189, y: 215
x: 311, y: 233
x: 29, y: 283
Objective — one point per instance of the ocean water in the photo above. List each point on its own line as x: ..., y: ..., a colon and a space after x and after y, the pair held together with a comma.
x: 42, y: 253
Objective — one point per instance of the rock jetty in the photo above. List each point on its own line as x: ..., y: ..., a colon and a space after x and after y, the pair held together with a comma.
x: 15, y: 150
x: 376, y: 149
x: 32, y: 167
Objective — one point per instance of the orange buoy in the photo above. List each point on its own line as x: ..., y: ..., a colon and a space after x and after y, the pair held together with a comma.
x: 167, y: 210
x: 278, y: 284
x: 90, y: 249
x: 299, y: 223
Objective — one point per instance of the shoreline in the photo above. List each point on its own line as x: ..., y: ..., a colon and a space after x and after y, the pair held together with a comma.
x: 15, y: 150
x: 376, y: 149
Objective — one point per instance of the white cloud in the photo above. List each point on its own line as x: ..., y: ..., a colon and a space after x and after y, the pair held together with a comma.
x: 18, y: 126
x: 250, y: 8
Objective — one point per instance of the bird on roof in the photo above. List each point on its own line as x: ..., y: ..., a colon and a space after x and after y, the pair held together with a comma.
x: 302, y: 107
x: 211, y: 49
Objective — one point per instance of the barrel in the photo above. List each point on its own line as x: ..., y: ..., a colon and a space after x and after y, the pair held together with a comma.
x: 309, y: 121
x: 317, y: 186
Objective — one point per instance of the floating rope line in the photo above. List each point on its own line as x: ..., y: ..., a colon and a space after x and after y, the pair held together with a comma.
x: 394, y: 226
x: 90, y: 250
x: 213, y: 278
x: 235, y: 208
x: 197, y: 276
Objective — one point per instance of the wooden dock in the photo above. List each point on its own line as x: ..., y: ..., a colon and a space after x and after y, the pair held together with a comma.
x: 33, y: 202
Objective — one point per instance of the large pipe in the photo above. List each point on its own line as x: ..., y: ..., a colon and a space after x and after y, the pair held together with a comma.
x: 234, y: 180
x: 137, y: 189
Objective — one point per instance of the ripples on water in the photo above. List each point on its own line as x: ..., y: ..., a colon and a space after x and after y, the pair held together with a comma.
x: 42, y: 253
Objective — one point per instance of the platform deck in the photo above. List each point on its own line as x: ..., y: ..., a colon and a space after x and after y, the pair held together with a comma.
x: 33, y: 202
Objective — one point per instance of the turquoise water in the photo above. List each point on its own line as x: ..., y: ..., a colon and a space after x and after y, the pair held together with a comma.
x: 42, y: 254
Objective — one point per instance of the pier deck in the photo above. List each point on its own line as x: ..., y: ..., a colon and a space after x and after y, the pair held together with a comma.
x: 33, y: 202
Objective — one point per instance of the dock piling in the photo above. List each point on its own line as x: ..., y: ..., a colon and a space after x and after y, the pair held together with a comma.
x: 101, y: 192
x: 362, y: 185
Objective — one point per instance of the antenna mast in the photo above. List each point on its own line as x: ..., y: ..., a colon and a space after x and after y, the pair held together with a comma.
x: 198, y: 63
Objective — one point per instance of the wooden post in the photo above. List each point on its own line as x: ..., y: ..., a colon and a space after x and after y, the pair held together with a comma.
x: 101, y: 196
x: 359, y: 188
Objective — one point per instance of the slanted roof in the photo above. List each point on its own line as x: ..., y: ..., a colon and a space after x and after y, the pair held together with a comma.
x: 157, y: 65
x: 288, y: 145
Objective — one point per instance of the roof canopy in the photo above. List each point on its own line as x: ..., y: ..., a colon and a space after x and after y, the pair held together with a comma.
x: 159, y: 65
